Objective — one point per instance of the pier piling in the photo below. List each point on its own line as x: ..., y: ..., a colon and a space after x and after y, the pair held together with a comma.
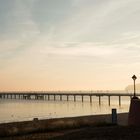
x: 109, y: 100
x: 82, y: 98
x: 90, y: 99
x: 67, y: 97
x: 60, y: 97
x: 74, y: 98
x: 119, y: 100
x: 99, y: 100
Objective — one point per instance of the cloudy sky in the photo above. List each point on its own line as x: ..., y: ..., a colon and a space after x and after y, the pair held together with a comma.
x: 69, y: 44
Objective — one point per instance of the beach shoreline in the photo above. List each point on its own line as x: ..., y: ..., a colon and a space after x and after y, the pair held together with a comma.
x: 48, y: 125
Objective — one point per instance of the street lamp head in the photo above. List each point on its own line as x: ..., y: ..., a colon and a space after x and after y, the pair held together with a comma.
x: 134, y: 77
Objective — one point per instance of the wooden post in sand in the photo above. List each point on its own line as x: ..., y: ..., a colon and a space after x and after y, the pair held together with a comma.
x: 114, y: 116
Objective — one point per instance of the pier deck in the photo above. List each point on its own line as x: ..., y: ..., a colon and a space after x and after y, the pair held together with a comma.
x: 47, y: 95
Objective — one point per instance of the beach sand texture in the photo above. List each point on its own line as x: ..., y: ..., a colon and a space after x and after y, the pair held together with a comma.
x: 59, y: 126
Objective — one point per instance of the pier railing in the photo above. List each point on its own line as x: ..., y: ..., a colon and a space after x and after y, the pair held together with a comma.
x: 46, y: 95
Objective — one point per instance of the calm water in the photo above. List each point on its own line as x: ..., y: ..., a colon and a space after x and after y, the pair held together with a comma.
x: 18, y: 110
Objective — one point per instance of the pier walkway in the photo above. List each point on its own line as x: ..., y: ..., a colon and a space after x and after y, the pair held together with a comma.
x: 46, y: 96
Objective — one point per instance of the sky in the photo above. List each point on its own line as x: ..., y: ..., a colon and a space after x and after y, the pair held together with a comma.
x: 69, y: 44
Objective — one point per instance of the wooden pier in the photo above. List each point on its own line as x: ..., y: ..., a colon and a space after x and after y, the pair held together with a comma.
x: 52, y: 96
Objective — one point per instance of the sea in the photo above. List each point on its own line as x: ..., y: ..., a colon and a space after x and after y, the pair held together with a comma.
x: 14, y: 110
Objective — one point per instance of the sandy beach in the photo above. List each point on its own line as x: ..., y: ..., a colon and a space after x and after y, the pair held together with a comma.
x: 62, y: 127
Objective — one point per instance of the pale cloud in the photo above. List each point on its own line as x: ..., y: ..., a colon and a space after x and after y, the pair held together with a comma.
x: 106, y: 21
x: 75, y: 43
x: 8, y: 45
x: 77, y: 49
x: 20, y: 29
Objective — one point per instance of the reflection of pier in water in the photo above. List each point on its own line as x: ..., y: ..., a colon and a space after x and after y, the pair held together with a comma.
x: 47, y: 95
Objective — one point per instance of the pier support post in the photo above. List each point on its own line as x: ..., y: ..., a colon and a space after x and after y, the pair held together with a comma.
x: 67, y: 97
x: 90, y: 99
x: 99, y: 100
x: 48, y: 97
x: 35, y: 97
x: 109, y: 100
x: 119, y: 100
x: 82, y: 98
x: 44, y: 97
x: 54, y: 97
x: 60, y: 97
x: 74, y: 98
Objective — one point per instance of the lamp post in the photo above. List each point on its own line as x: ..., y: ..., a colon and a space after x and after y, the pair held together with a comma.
x: 134, y: 109
x: 134, y: 78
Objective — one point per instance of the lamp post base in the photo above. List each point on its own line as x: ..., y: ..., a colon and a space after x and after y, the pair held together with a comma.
x: 134, y: 112
x: 135, y: 97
